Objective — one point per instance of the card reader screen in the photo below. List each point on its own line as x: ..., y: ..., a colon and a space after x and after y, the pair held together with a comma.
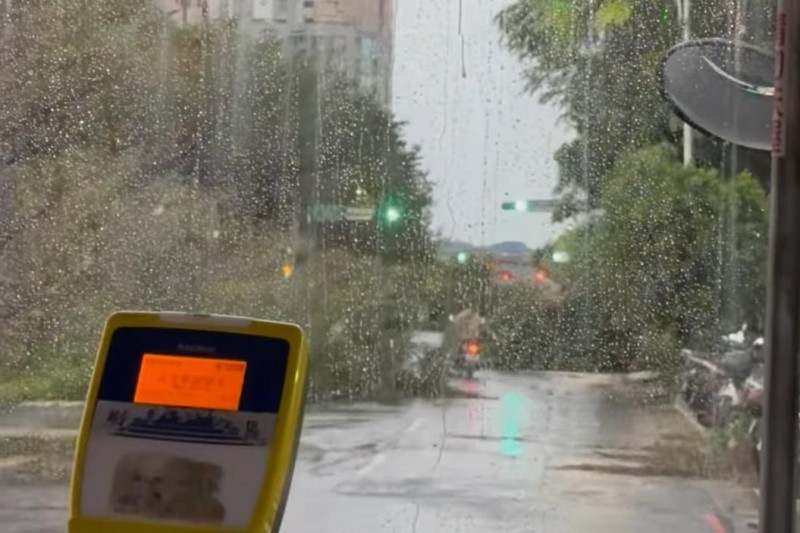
x: 197, y: 382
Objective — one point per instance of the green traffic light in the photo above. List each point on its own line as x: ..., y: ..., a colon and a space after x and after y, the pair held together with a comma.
x: 392, y: 215
x: 462, y: 257
x: 519, y: 205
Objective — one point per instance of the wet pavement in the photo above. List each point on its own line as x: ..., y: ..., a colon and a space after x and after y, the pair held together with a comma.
x: 526, y: 452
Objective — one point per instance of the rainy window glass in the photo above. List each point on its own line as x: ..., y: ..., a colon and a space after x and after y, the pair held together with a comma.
x: 527, y: 239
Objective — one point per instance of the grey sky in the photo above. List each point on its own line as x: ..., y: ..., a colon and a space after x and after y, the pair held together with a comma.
x: 483, y: 138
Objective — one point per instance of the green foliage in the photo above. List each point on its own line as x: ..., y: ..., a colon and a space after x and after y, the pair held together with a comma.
x: 352, y: 154
x: 527, y: 331
x: 613, y: 13
x: 647, y: 275
x: 654, y: 265
x: 149, y: 166
x: 597, y: 60
x: 669, y: 256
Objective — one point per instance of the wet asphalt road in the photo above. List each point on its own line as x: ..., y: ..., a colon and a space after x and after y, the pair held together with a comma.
x: 527, y: 452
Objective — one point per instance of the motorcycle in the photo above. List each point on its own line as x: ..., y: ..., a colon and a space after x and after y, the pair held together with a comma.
x: 716, y: 392
x: 700, y: 383
x: 469, y: 357
x: 743, y: 384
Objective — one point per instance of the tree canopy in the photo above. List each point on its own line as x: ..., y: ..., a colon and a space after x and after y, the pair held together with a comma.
x: 597, y: 60
x: 147, y: 165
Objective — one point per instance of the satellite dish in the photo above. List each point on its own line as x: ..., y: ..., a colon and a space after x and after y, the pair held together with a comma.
x: 699, y: 78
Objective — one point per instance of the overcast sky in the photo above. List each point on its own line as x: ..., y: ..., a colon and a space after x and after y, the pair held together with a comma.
x: 484, y: 140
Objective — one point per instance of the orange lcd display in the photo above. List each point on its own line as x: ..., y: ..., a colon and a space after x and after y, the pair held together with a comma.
x: 199, y: 382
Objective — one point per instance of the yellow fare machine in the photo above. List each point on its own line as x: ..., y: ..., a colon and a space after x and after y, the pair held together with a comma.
x: 191, y: 425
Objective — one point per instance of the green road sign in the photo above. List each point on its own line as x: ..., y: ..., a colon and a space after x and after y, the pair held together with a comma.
x: 359, y: 214
x: 326, y: 212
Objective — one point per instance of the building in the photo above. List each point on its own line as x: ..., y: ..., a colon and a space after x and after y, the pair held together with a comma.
x: 352, y: 36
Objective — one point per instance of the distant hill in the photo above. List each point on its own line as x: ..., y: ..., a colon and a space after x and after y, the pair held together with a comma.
x: 510, y: 248
x: 453, y: 247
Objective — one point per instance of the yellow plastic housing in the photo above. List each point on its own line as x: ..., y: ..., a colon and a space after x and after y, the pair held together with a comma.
x: 270, y: 505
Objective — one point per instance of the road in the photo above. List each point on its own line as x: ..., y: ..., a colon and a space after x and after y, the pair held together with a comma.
x: 531, y: 452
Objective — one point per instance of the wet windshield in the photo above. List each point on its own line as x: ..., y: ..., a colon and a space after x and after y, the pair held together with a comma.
x: 527, y: 238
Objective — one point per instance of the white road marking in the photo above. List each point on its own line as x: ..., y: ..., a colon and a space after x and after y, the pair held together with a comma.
x: 375, y: 461
x: 415, y: 425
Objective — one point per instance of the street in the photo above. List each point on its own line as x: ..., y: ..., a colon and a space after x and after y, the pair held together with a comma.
x: 526, y: 452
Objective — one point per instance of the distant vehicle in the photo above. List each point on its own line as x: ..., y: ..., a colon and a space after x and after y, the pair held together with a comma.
x: 469, y: 358
x: 462, y: 345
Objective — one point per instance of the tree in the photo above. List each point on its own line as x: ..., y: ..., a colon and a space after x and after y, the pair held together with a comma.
x: 143, y: 165
x: 654, y: 266
x: 597, y: 60
x: 77, y: 73
x: 352, y: 154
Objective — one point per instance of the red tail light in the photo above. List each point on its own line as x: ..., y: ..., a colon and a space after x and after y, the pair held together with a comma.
x: 473, y: 348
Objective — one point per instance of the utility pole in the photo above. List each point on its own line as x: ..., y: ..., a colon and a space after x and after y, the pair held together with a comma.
x: 778, y: 511
x: 684, y: 18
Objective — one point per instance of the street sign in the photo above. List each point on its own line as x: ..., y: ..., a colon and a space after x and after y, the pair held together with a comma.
x: 327, y: 212
x: 359, y: 213
x: 330, y: 212
x: 530, y: 205
x: 191, y: 424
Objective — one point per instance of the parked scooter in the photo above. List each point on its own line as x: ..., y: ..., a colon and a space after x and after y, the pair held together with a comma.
x: 743, y: 385
x: 700, y: 384
x: 715, y: 391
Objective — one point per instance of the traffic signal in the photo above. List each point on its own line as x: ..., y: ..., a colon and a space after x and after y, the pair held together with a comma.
x: 392, y: 214
x: 390, y: 211
x: 462, y: 257
x: 528, y: 206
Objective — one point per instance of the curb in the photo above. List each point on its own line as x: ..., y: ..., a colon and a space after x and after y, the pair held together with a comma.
x: 41, y: 416
x: 684, y: 410
x: 641, y: 377
x: 49, y: 434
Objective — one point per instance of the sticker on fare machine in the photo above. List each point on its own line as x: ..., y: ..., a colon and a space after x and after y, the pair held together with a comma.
x: 191, y: 424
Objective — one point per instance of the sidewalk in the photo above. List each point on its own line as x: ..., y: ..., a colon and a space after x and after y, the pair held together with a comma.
x: 43, y: 415
x: 37, y: 441
x: 736, y: 506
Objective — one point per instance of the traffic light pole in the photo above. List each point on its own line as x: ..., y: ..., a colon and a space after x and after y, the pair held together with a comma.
x: 783, y: 284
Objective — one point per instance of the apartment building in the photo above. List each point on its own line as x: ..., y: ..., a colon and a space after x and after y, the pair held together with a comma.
x: 352, y: 36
